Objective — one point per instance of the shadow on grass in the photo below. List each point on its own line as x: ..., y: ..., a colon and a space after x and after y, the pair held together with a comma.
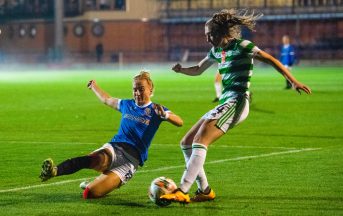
x: 146, y: 204
x: 119, y: 202
x: 55, y: 198
x: 256, y: 109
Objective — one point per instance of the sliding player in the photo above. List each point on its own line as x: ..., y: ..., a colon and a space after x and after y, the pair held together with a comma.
x: 119, y: 159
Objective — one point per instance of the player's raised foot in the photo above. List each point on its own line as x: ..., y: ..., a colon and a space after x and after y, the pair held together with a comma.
x: 177, y: 196
x: 48, y: 170
x: 202, y: 197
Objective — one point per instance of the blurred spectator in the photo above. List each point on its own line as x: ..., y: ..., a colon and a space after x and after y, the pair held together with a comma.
x: 287, y: 56
x: 99, y: 49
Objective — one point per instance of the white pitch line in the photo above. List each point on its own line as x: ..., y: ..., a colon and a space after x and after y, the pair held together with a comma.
x: 41, y: 185
x: 239, y: 158
x: 264, y: 155
x: 254, y: 147
x: 47, y: 142
x: 168, y: 168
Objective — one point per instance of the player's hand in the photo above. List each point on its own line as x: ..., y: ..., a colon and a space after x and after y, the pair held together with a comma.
x: 90, y: 84
x: 177, y: 68
x: 159, y: 110
x: 299, y: 86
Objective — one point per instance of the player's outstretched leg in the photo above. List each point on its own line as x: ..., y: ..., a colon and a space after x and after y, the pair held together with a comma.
x: 177, y: 196
x: 48, y: 170
x: 202, y: 196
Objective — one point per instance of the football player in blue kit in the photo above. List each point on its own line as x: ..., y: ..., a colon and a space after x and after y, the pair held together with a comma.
x: 287, y: 56
x: 119, y: 159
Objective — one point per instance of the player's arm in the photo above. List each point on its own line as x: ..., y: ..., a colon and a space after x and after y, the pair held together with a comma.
x: 103, y: 96
x: 194, y: 70
x: 168, y: 115
x: 266, y: 58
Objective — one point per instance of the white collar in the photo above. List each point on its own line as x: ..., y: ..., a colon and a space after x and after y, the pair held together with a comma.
x: 144, y: 105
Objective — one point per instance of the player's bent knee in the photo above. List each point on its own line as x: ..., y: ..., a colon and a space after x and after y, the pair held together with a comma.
x: 101, y: 160
x: 186, y: 141
x: 182, y: 142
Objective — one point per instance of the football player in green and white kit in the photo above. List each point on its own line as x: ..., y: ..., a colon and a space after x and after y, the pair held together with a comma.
x: 234, y: 57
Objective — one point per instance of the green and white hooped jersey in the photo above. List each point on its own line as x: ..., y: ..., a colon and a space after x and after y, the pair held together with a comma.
x: 235, y: 64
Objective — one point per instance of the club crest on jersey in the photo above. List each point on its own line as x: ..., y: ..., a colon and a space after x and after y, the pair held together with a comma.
x: 147, y: 112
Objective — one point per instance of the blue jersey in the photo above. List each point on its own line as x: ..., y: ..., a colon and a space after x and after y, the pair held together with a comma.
x: 138, y: 126
x: 287, y: 56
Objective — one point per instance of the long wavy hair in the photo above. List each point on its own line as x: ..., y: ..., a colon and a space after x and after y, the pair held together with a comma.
x: 229, y: 22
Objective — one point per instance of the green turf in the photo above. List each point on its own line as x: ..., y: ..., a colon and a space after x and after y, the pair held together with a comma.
x: 285, y: 159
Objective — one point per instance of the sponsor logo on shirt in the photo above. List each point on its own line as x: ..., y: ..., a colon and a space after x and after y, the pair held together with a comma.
x: 137, y: 119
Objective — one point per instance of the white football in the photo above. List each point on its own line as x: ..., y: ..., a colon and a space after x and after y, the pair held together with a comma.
x: 161, y: 186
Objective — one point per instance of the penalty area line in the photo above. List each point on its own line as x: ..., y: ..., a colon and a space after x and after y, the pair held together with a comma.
x: 168, y: 168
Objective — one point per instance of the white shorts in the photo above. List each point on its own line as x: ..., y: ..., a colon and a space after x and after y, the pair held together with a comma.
x: 122, y: 164
x: 230, y: 113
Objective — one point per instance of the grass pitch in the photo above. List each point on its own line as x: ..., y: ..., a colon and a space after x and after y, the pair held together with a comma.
x: 285, y: 159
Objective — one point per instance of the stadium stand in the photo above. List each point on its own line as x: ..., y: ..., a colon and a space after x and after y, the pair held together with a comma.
x: 161, y: 30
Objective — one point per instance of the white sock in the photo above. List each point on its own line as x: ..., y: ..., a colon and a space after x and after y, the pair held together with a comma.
x: 187, y: 152
x: 218, y: 88
x: 194, y: 165
x: 201, y: 178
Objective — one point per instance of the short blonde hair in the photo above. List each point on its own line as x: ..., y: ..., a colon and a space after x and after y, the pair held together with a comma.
x: 144, y: 75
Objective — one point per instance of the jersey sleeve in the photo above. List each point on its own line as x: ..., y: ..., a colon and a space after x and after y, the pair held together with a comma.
x: 166, y: 109
x: 249, y: 48
x: 122, y: 104
x: 118, y: 104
